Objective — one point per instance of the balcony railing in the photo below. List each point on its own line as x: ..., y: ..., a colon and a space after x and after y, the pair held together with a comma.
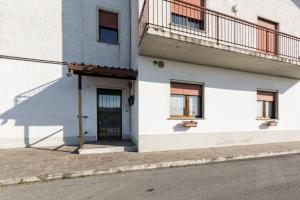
x: 201, y: 23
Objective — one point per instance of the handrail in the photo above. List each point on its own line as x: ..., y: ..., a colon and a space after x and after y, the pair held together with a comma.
x: 198, y: 21
x: 142, y: 11
x: 232, y: 17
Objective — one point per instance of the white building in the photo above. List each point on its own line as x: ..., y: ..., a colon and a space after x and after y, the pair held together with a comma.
x: 196, y: 73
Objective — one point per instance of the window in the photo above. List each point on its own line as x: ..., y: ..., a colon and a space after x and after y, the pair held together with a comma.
x: 266, y: 105
x: 186, y: 100
x: 186, y: 21
x: 188, y: 16
x: 108, y: 27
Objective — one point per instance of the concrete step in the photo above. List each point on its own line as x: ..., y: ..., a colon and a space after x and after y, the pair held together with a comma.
x: 107, y: 148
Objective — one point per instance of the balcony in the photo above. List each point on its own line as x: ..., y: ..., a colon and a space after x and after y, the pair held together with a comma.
x: 176, y: 30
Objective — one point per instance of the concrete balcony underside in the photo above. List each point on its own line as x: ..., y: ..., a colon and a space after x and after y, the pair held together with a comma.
x: 168, y: 44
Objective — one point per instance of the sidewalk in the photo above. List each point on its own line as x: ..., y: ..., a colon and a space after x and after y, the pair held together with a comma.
x: 43, y: 164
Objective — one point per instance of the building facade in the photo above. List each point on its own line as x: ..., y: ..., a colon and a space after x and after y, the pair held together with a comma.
x: 166, y: 74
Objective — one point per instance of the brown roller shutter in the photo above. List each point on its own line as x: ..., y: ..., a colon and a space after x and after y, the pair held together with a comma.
x: 265, y: 96
x: 186, y: 89
x: 108, y: 19
x: 188, y: 8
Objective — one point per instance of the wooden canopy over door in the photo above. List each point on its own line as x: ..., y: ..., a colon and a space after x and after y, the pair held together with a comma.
x: 267, y: 38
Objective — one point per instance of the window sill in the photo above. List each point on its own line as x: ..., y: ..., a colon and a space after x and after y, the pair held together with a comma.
x: 185, y: 118
x: 266, y: 119
x: 108, y: 43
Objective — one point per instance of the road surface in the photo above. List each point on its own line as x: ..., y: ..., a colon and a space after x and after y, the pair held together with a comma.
x: 260, y: 179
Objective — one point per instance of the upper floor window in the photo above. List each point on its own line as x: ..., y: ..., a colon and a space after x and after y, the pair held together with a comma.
x: 108, y: 27
x: 186, y: 100
x: 266, y: 105
x: 188, y: 16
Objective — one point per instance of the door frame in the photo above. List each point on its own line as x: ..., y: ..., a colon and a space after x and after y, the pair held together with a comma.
x: 121, y: 102
x: 276, y: 35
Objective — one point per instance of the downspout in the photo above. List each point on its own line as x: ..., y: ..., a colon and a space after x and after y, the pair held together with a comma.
x: 130, y: 62
x: 130, y: 35
x: 80, y: 127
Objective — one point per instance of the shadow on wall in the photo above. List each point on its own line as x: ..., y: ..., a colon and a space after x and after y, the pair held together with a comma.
x: 297, y: 3
x: 49, y: 105
x: 212, y: 77
x: 50, y: 110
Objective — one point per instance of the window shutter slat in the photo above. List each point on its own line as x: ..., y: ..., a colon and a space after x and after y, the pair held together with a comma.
x: 265, y: 96
x: 186, y: 89
x: 187, y: 10
x: 108, y: 19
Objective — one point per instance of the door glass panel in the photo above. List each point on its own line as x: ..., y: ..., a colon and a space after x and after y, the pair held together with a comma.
x: 109, y: 101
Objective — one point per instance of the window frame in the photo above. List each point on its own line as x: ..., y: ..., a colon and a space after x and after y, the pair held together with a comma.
x: 276, y: 39
x: 265, y: 105
x: 187, y: 102
x: 108, y: 28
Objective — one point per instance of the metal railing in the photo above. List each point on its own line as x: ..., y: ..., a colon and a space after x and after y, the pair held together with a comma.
x: 202, y: 23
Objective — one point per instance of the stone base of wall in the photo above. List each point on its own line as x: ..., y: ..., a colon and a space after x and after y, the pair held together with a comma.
x: 148, y: 143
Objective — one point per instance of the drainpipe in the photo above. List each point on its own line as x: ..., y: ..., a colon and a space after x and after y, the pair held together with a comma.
x: 130, y: 37
x: 130, y: 62
x: 130, y: 113
x: 80, y: 111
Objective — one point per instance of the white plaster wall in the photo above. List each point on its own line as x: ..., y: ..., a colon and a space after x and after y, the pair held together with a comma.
x: 38, y: 105
x: 101, y: 53
x: 229, y: 108
x: 134, y: 33
x: 38, y: 102
x: 63, y: 30
x: 31, y: 29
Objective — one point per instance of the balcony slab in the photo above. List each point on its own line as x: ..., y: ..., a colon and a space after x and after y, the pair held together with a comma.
x: 168, y: 44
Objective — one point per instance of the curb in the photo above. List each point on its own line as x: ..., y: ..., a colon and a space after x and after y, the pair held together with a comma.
x: 179, y: 163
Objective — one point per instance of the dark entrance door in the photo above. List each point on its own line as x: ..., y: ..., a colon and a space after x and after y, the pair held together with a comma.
x: 109, y: 114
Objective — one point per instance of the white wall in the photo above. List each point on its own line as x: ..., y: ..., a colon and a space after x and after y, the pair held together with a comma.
x: 38, y: 105
x: 38, y: 102
x: 229, y: 108
x: 63, y: 30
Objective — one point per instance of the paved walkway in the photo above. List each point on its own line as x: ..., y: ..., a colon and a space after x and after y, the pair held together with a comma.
x: 42, y: 162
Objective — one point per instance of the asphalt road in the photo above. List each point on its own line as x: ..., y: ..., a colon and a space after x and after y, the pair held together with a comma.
x: 261, y: 179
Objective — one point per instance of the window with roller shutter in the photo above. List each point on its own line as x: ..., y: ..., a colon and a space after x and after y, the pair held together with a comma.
x: 108, y: 27
x: 266, y: 105
x: 188, y: 14
x: 186, y: 100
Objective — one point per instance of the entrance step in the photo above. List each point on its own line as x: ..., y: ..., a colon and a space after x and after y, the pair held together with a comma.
x: 107, y: 147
